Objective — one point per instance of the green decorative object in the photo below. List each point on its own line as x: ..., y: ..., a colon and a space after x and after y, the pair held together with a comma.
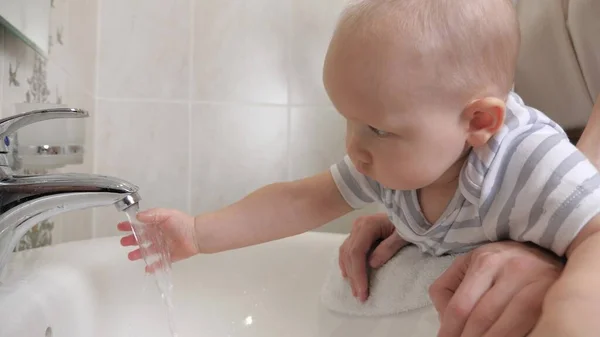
x: 38, y: 236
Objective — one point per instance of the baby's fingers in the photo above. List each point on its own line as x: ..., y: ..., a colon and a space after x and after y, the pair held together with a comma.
x: 135, y: 255
x: 129, y: 240
x: 124, y: 226
x: 158, y: 265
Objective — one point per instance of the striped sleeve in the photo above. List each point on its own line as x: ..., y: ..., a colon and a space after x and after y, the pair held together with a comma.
x: 357, y: 189
x: 539, y: 189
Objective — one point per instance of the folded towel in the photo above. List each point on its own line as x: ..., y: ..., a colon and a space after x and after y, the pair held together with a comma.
x: 400, y: 285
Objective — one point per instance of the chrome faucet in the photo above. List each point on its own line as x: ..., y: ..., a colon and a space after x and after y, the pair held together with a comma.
x: 29, y: 199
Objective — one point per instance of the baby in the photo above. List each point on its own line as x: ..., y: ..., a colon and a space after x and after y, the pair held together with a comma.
x: 435, y: 134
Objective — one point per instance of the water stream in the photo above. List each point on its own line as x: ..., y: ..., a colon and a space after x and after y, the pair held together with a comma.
x: 155, y: 253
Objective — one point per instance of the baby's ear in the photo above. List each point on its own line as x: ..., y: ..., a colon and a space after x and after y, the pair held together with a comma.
x: 485, y: 117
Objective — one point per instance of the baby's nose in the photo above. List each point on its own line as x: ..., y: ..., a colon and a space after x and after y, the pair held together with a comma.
x: 359, y: 156
x: 363, y: 157
x: 356, y: 151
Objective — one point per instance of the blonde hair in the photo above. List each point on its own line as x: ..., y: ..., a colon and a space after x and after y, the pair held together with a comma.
x: 473, y: 44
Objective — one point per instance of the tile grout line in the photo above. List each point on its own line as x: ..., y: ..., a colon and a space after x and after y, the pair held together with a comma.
x: 219, y: 103
x: 142, y: 100
x: 2, y: 71
x: 288, y: 68
x: 96, y: 106
x: 190, y: 95
x: 67, y: 28
x: 59, y: 220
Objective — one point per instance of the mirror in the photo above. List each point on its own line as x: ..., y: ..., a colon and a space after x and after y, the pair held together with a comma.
x: 29, y: 20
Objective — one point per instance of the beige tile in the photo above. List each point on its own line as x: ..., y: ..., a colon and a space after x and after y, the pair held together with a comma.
x: 57, y: 82
x: 146, y: 144
x: 317, y: 140
x: 105, y: 220
x: 59, y: 42
x: 78, y: 99
x: 144, y: 49
x: 241, y: 50
x: 73, y: 226
x: 81, y: 39
x: 235, y: 150
x: 313, y: 22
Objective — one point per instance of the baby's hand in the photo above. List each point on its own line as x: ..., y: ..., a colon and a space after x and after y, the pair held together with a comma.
x: 177, y: 229
x: 355, y: 251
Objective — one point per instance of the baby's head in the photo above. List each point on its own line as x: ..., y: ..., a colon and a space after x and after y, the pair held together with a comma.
x: 419, y: 82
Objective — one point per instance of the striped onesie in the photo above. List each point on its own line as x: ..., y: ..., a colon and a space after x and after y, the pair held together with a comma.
x: 528, y: 184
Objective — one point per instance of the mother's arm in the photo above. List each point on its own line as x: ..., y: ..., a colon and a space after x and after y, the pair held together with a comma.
x: 570, y: 307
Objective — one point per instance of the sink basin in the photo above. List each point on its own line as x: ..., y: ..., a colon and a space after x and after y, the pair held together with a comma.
x: 90, y: 289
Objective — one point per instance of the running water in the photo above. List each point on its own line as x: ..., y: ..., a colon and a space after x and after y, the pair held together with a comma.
x: 155, y: 252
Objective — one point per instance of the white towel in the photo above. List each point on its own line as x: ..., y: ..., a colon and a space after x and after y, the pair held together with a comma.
x: 400, y: 285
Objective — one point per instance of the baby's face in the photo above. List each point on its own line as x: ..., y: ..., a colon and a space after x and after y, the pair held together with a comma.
x: 401, y: 132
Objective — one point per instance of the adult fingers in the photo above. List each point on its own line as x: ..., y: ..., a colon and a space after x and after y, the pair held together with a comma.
x: 478, y: 280
x: 342, y: 257
x: 491, y: 306
x: 345, y: 261
x: 443, y: 289
x: 364, y: 239
x: 386, y: 250
x: 522, y: 313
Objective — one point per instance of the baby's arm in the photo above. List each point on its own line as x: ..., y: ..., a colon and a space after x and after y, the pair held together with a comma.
x: 273, y: 212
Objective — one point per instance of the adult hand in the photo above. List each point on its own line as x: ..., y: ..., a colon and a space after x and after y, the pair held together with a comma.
x: 496, y: 290
x: 356, y: 249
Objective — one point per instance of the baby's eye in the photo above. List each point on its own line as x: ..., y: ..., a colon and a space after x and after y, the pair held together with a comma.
x: 378, y: 132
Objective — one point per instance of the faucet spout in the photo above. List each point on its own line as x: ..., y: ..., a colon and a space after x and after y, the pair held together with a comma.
x: 20, y: 189
x: 27, y: 200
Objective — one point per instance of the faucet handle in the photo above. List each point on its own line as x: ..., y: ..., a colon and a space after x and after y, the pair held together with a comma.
x: 11, y: 124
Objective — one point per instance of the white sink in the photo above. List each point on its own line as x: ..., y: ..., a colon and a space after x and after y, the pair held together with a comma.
x: 90, y: 289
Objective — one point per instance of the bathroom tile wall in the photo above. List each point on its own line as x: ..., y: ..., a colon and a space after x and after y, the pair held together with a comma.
x: 202, y: 101
x: 68, y: 77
